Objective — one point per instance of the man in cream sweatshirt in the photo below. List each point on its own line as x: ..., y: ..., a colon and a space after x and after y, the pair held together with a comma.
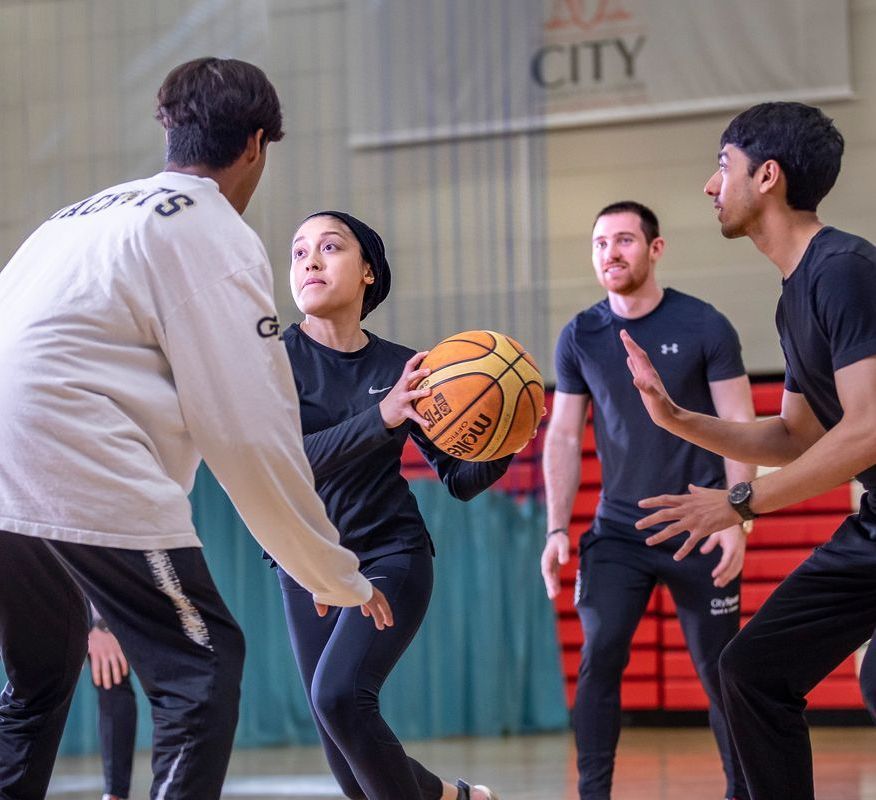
x: 138, y: 335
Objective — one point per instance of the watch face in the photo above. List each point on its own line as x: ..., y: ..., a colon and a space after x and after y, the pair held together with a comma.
x: 740, y: 493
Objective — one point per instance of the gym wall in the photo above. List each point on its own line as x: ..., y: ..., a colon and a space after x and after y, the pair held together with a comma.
x: 490, y: 231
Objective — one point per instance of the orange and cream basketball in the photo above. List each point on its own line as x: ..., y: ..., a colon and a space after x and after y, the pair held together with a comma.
x: 487, y: 395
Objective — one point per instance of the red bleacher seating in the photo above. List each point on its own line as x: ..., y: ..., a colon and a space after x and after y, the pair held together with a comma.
x: 660, y: 675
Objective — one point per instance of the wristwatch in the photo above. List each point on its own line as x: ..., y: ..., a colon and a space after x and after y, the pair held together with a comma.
x: 740, y: 497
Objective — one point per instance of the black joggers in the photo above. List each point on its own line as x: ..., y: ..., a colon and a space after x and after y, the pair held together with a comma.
x: 174, y: 629
x: 820, y: 614
x: 618, y: 573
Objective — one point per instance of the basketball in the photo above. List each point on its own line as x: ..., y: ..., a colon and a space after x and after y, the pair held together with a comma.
x: 487, y: 395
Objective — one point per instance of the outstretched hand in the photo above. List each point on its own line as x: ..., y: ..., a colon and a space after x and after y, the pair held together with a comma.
x: 700, y: 513
x: 398, y: 405
x: 377, y: 608
x: 732, y: 542
x: 647, y: 380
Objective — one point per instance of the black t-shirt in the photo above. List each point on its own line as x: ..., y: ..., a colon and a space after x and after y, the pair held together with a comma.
x: 826, y: 319
x: 356, y: 460
x: 690, y: 344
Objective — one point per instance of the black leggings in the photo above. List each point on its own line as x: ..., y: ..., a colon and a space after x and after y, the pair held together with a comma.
x: 344, y: 661
x: 117, y: 725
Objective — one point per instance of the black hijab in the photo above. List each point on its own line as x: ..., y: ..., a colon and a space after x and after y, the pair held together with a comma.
x: 373, y: 253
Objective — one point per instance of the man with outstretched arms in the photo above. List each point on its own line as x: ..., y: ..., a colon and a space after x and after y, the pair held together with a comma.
x: 617, y: 574
x: 138, y: 333
x: 777, y: 161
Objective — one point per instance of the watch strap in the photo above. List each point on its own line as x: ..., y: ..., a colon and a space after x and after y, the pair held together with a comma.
x: 742, y: 506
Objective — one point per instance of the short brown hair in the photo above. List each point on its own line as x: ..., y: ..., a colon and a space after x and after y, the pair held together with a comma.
x: 647, y: 218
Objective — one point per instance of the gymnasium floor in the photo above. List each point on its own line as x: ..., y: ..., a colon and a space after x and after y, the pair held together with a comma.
x: 653, y: 764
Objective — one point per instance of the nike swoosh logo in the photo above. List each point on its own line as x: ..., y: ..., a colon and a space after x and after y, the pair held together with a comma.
x: 372, y: 390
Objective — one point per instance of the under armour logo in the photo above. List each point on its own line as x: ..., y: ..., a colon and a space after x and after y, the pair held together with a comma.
x: 669, y: 348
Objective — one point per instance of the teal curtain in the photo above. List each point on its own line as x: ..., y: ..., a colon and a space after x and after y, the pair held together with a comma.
x: 486, y: 661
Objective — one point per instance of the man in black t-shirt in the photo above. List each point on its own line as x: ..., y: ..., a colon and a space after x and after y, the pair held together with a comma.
x: 777, y: 161
x: 699, y: 353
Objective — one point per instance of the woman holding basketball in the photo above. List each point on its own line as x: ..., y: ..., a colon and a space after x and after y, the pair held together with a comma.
x: 357, y: 413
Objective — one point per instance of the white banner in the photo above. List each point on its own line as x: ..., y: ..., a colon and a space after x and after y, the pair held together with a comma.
x: 421, y: 70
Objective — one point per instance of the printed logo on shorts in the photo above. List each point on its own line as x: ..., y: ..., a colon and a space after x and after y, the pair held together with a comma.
x: 665, y: 349
x: 725, y: 605
x: 577, y: 586
x: 268, y: 327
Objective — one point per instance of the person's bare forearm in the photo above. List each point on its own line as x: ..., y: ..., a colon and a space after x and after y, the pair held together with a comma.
x: 771, y: 442
x: 766, y: 442
x: 733, y: 403
x: 737, y: 471
x: 835, y: 458
x: 562, y: 475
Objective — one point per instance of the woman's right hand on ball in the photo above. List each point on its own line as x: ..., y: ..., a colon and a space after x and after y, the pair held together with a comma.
x: 398, y: 405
